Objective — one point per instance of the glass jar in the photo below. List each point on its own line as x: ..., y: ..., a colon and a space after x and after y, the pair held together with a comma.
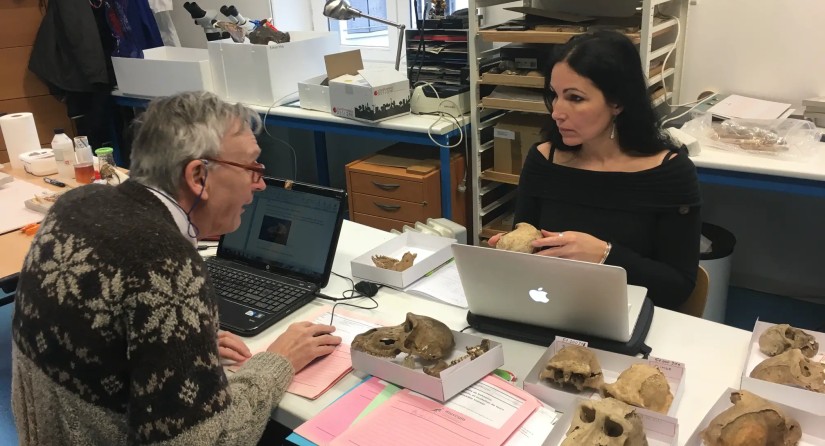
x: 106, y: 164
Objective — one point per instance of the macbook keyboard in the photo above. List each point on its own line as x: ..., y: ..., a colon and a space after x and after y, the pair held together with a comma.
x: 252, y: 290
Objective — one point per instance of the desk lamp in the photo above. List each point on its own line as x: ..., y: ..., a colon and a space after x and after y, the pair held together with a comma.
x: 342, y: 10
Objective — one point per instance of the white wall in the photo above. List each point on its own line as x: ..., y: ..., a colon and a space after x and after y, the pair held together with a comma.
x: 771, y: 49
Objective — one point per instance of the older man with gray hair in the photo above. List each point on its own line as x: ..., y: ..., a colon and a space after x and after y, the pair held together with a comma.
x: 115, y: 327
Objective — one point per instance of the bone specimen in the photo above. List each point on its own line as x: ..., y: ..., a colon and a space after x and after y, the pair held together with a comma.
x: 419, y: 337
x: 792, y: 368
x: 574, y: 366
x: 782, y: 337
x: 263, y: 34
x: 642, y: 385
x: 473, y: 352
x: 607, y: 422
x: 394, y: 264
x: 519, y: 239
x: 751, y: 421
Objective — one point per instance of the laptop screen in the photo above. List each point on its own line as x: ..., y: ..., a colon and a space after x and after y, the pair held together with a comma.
x: 293, y: 231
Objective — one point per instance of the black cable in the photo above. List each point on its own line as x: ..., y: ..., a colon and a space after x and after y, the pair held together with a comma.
x: 332, y: 315
x: 354, y: 294
x: 462, y: 330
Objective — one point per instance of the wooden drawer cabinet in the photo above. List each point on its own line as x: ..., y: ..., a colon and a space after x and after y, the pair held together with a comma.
x: 389, y: 197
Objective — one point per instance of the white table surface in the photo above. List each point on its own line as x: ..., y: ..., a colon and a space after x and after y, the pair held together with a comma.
x: 812, y: 168
x: 714, y: 354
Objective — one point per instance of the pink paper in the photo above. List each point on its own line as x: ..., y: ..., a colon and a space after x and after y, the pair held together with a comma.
x: 484, y: 414
x: 338, y: 416
x: 322, y: 373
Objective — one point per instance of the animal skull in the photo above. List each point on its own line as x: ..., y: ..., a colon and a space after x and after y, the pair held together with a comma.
x: 642, y: 385
x: 782, y: 337
x: 607, y: 422
x: 419, y: 336
x: 519, y: 239
x: 574, y: 366
x: 751, y: 421
x: 792, y: 368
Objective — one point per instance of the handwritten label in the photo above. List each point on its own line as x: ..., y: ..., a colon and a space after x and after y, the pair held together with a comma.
x: 670, y: 369
x: 562, y: 342
x: 504, y: 134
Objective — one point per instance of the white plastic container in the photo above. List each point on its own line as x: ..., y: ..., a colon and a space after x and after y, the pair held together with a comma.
x: 63, y: 148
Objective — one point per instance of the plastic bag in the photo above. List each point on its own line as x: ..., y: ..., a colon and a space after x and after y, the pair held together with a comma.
x: 776, y: 138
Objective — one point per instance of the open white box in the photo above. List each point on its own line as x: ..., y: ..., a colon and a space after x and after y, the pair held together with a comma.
x: 313, y: 95
x: 431, y: 251
x: 792, y: 396
x: 453, y: 379
x: 164, y: 71
x: 613, y: 364
x: 660, y: 430
x: 268, y: 75
x: 813, y: 426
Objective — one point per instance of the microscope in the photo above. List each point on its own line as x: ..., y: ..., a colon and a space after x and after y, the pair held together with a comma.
x: 206, y: 19
x: 232, y: 13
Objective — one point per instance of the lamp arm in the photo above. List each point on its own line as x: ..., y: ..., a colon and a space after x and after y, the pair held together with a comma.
x: 380, y: 20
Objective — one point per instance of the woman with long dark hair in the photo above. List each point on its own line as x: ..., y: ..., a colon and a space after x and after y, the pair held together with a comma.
x: 607, y: 185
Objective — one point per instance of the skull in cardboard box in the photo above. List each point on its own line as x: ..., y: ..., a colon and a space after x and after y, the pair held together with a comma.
x: 751, y: 421
x: 794, y: 369
x: 419, y: 336
x: 607, y: 422
x: 642, y: 385
x: 574, y: 366
x: 781, y: 337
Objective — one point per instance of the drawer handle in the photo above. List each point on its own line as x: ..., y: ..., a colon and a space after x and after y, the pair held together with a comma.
x: 386, y: 186
x: 388, y: 207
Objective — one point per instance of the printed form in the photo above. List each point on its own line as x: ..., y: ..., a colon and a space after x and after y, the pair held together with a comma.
x: 486, y: 413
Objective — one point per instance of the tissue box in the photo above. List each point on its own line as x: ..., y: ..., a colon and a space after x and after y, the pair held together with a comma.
x: 39, y: 162
x: 164, y: 71
x: 453, y: 379
x: 431, y: 251
x: 660, y: 430
x: 268, y: 75
x: 313, y: 95
x: 791, y: 396
x: 813, y: 426
x: 371, y: 95
x: 612, y: 365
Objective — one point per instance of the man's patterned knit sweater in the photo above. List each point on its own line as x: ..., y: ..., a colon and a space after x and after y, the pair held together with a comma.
x: 115, y: 334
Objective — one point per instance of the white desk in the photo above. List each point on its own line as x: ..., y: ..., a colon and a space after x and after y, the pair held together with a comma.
x: 714, y: 354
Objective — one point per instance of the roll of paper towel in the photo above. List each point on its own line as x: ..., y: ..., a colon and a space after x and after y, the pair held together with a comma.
x: 20, y: 136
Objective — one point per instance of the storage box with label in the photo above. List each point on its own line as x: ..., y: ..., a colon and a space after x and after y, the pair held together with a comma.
x: 812, y: 426
x: 514, y: 134
x: 314, y: 92
x: 164, y: 71
x: 430, y: 251
x: 612, y: 365
x: 789, y: 367
x: 451, y: 380
x: 268, y: 75
x: 368, y: 94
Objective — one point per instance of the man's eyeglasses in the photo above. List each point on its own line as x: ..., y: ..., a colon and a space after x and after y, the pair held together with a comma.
x: 257, y: 169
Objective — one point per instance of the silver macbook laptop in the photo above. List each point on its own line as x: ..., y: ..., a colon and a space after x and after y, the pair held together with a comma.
x: 568, y: 295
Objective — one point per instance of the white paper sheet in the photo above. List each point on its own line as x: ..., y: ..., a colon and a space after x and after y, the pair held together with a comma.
x: 12, y: 208
x: 443, y: 284
x: 535, y: 429
x: 735, y: 106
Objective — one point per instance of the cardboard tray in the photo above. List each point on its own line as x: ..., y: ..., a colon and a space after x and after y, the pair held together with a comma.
x: 453, y: 379
x: 612, y: 365
x: 660, y: 430
x: 791, y: 396
x: 432, y: 251
x: 813, y: 426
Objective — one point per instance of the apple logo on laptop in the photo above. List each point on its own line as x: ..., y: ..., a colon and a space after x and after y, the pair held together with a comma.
x: 539, y: 295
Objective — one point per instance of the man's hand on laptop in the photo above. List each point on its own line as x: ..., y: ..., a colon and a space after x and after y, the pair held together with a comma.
x: 304, y: 341
x: 232, y: 348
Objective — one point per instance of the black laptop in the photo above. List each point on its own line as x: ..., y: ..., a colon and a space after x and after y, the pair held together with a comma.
x: 280, y: 255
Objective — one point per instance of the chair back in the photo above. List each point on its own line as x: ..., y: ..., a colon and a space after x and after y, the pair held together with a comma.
x: 695, y: 303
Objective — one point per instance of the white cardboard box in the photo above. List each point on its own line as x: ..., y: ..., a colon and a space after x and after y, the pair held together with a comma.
x: 453, y: 379
x: 660, y: 430
x: 164, y: 71
x: 313, y: 95
x: 371, y: 95
x: 431, y: 251
x: 613, y: 364
x: 813, y: 426
x: 268, y: 75
x: 792, y: 396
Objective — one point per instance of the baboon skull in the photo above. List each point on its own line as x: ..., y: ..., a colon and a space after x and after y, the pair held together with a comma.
x: 574, y: 366
x: 794, y: 369
x: 642, y: 385
x: 419, y: 336
x: 751, y: 421
x: 519, y: 239
x: 781, y: 337
x: 607, y: 422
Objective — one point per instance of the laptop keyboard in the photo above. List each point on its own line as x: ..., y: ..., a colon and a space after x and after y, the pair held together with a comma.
x: 252, y: 290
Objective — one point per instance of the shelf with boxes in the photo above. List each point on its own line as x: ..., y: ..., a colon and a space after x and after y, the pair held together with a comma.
x: 515, y: 88
x: 400, y: 186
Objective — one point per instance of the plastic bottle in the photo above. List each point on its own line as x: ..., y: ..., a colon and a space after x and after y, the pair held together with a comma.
x: 63, y: 148
x: 84, y: 169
